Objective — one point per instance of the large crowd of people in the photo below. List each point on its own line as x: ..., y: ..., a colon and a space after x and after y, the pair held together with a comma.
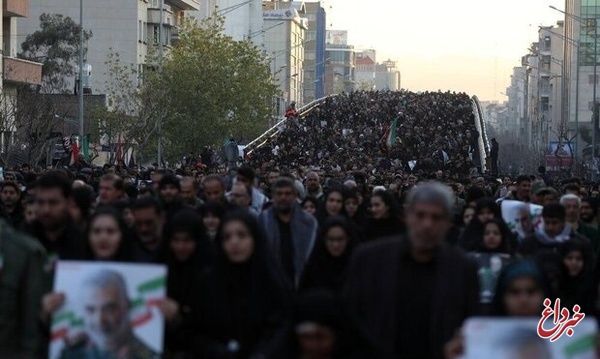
x: 346, y: 133
x: 311, y: 250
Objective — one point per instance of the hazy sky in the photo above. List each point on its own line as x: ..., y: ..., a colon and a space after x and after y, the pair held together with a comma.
x: 461, y: 45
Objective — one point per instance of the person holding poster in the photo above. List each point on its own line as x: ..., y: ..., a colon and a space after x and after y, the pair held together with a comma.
x: 108, y: 332
x: 109, y: 311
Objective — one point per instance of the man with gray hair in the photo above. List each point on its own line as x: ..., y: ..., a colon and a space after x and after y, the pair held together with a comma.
x: 572, y: 204
x: 108, y: 332
x: 412, y: 293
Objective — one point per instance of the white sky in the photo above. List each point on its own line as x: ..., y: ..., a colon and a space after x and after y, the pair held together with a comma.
x: 459, y: 45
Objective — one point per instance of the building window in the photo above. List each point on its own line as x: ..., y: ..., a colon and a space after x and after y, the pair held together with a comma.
x: 311, y: 35
x: 156, y: 34
x: 140, y: 31
x: 591, y: 79
x: 309, y: 55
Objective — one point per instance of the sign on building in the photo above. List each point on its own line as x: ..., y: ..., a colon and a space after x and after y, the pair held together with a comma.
x: 337, y: 37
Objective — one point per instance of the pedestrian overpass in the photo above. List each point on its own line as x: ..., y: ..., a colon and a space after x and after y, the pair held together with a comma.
x: 481, y: 155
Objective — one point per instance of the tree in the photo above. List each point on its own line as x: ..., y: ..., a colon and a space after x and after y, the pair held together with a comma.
x: 135, y: 102
x: 216, y: 87
x: 56, y: 45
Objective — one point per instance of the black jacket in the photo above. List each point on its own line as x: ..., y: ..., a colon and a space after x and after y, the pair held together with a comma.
x: 372, y: 292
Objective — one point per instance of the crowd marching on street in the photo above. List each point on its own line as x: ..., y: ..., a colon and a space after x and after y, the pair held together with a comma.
x: 355, y: 233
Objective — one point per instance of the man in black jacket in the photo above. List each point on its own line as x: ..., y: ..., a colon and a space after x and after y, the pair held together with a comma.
x: 413, y: 293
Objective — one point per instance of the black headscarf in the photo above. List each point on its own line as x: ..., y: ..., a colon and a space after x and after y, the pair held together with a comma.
x: 504, y: 246
x: 474, y: 231
x: 324, y: 270
x: 580, y: 289
x: 245, y: 303
x: 517, y: 269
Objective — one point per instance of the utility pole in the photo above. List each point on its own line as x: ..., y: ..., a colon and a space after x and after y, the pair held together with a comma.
x: 81, y: 52
x: 595, y: 113
x: 160, y: 64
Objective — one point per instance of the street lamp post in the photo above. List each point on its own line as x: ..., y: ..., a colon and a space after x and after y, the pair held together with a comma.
x: 81, y: 52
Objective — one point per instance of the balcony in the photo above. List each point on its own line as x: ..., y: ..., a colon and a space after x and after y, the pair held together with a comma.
x: 185, y: 4
x: 22, y: 71
x: 15, y: 8
x: 154, y: 17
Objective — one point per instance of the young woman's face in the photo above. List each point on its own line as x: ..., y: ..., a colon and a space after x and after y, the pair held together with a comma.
x: 310, y: 207
x: 183, y: 246
x: 351, y: 206
x: 336, y: 241
x: 105, y: 236
x: 238, y: 243
x: 211, y: 222
x: 485, y: 215
x: 31, y: 213
x: 574, y: 262
x: 523, y: 298
x: 379, y: 209
x: 492, y: 237
x: 334, y: 204
x: 468, y: 215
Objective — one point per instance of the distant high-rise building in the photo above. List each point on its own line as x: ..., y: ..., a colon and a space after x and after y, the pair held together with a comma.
x: 285, y: 47
x: 340, y: 66
x: 387, y: 76
x: 127, y: 27
x: 314, y: 52
x: 366, y: 70
x: 243, y: 19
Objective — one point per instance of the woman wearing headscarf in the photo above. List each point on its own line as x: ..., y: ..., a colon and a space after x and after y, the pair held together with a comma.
x: 333, y: 204
x: 212, y: 215
x: 331, y: 256
x: 321, y: 329
x: 188, y: 258
x: 385, y: 217
x: 242, y: 302
x: 577, y: 283
x: 485, y: 209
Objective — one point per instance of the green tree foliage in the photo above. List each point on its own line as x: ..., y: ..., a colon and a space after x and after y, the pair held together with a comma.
x: 216, y: 87
x: 56, y: 45
x: 208, y: 87
x: 134, y: 107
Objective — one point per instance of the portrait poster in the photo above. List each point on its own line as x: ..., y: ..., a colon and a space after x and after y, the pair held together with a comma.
x: 110, y: 309
x: 522, y: 218
x: 493, y: 338
x: 489, y: 267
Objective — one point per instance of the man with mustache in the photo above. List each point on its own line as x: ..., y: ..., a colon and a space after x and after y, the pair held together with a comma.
x: 289, y: 230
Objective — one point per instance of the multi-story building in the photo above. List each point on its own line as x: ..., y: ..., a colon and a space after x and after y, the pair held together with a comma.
x: 366, y: 70
x: 387, y: 76
x: 285, y: 47
x: 340, y: 66
x: 15, y: 71
x: 546, y: 92
x: 515, y: 124
x: 314, y: 52
x: 127, y: 27
x: 243, y: 19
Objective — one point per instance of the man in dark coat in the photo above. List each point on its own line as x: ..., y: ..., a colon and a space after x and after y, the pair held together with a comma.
x: 413, y: 293
x: 494, y: 156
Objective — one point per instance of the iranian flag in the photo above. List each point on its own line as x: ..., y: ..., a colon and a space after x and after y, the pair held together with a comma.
x: 390, y: 139
x: 140, y: 313
x: 75, y: 150
x: 153, y: 290
x: 149, y: 293
x: 65, y: 324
